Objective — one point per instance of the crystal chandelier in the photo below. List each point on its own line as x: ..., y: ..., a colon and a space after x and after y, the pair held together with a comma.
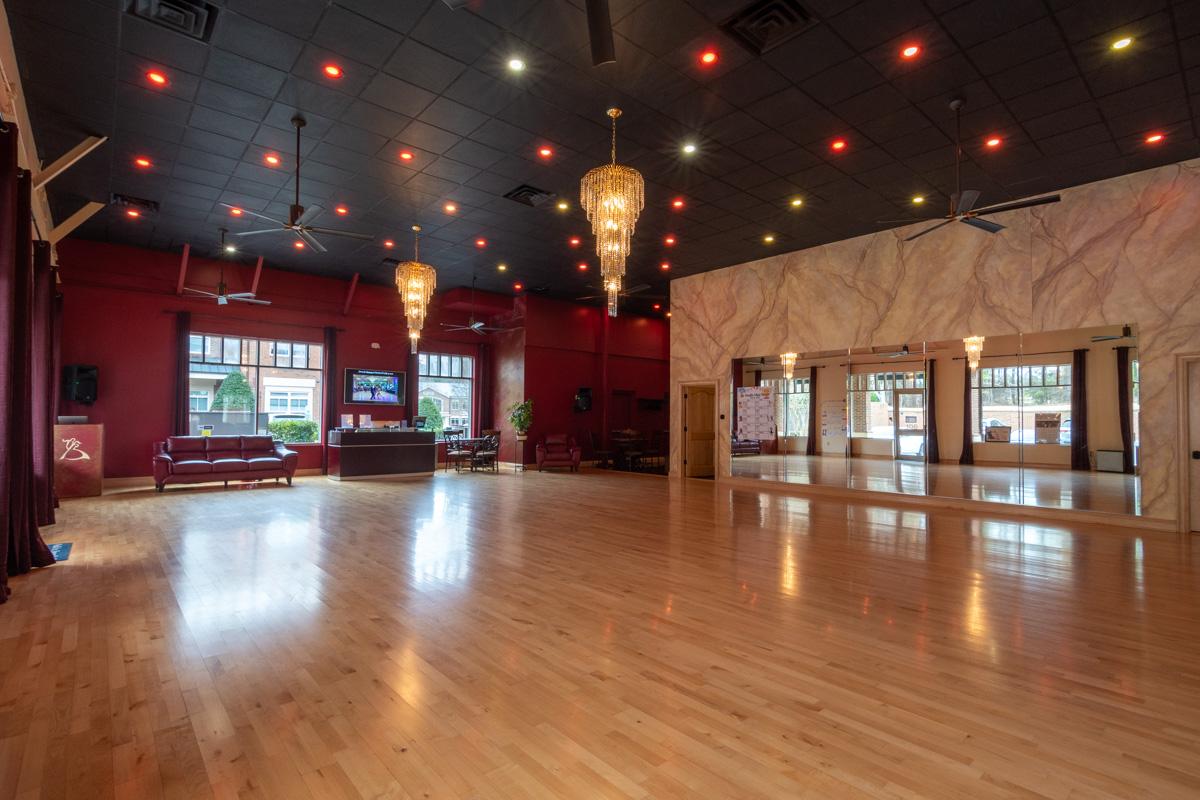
x: 974, y: 350
x: 415, y: 282
x: 613, y: 196
x: 789, y: 363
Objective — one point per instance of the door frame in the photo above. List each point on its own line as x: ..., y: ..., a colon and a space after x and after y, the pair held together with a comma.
x: 896, y: 455
x: 1183, y: 450
x: 683, y: 437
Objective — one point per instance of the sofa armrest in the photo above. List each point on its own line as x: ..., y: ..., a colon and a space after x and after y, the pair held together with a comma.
x: 163, y: 463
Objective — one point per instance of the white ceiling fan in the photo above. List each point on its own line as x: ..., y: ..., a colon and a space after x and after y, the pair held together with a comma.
x: 299, y: 217
x: 222, y: 294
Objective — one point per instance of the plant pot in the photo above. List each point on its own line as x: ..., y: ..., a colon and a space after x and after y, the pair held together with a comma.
x: 522, y: 436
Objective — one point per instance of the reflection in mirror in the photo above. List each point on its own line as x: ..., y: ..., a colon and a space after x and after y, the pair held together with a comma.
x: 1048, y: 419
x: 885, y: 395
x: 789, y: 429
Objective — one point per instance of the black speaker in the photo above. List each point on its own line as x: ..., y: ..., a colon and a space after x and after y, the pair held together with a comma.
x: 80, y: 384
x: 583, y: 400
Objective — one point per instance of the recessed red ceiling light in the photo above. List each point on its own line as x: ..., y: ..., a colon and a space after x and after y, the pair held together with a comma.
x: 910, y: 51
x: 142, y: 162
x: 575, y: 241
x: 678, y: 204
x: 583, y: 266
x: 994, y: 142
x: 657, y: 306
x: 480, y: 242
x: 546, y: 152
x: 389, y: 243
x: 333, y: 70
x: 157, y: 77
x: 709, y: 57
x: 299, y: 245
x: 518, y: 286
x: 838, y: 145
x: 670, y: 240
x: 340, y: 209
x: 132, y: 212
x: 406, y: 156
x: 668, y: 313
x: 237, y: 212
x: 272, y: 159
x: 451, y: 208
x: 1153, y: 138
x: 666, y: 266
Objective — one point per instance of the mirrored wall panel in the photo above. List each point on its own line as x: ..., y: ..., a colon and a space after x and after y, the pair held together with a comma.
x: 1045, y: 419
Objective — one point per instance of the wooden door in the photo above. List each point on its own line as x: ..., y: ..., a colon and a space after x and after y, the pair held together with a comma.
x: 1193, y: 451
x: 699, y: 431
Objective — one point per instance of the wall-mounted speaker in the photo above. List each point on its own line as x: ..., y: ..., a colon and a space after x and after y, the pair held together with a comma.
x: 583, y: 399
x: 80, y: 384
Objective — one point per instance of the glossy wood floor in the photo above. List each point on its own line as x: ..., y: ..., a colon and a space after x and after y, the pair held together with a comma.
x: 593, y: 635
x: 1044, y: 487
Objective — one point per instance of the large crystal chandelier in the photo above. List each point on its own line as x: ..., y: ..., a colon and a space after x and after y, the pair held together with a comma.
x: 789, y: 364
x: 974, y: 345
x: 415, y: 282
x: 613, y: 196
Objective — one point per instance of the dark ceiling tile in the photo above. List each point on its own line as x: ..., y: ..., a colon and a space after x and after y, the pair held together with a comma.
x: 147, y: 101
x: 355, y: 36
x: 427, y: 137
x: 374, y: 119
x: 1068, y: 119
x: 981, y: 20
x: 214, y: 143
x: 816, y: 50
x: 1122, y: 75
x: 203, y: 160
x: 458, y: 34
x: 477, y: 155
x: 662, y: 26
x: 870, y: 23
x: 397, y: 95
x: 451, y: 170
x: 783, y: 107
x: 1170, y: 115
x: 232, y: 101
x: 749, y: 83
x: 157, y: 44
x: 423, y: 66
x: 941, y: 79
x: 311, y: 63
x: 845, y: 81
x: 308, y: 97
x: 209, y: 119
x: 1061, y: 95
x: 355, y: 138
x: 257, y: 42
x: 200, y: 176
x: 872, y: 104
x: 511, y: 139
x: 297, y: 17
x: 250, y: 76
x: 482, y: 92
x: 1084, y: 20
x: 1038, y: 38
x: 152, y: 126
x: 452, y: 116
x: 340, y: 157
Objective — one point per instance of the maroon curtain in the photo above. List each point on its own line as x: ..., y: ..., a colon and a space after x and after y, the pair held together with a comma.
x: 968, y: 432
x: 183, y: 331
x: 45, y: 399
x: 810, y: 449
x: 933, y: 452
x: 23, y: 548
x: 332, y: 386
x: 1079, y: 412
x: 483, y: 389
x: 1124, y: 407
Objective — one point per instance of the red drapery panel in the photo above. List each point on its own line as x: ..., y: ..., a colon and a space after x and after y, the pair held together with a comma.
x: 23, y: 547
x: 45, y: 399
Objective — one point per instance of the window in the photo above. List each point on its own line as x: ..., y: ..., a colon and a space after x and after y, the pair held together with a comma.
x: 871, y: 401
x: 1013, y: 397
x: 791, y: 405
x: 444, y: 384
x: 250, y: 386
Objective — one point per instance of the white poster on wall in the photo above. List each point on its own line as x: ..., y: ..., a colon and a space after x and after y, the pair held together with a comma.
x: 756, y: 413
x: 833, y: 426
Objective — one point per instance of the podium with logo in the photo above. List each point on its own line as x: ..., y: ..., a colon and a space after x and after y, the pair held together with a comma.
x: 78, y: 460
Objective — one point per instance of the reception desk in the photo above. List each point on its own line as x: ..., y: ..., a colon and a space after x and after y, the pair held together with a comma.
x: 357, y: 454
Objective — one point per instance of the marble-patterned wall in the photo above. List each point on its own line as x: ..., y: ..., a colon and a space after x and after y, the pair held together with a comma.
x: 1124, y: 250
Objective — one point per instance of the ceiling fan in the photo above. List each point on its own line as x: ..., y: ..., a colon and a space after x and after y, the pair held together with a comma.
x: 472, y: 324
x: 1126, y: 333
x: 222, y: 294
x: 962, y: 202
x: 298, y: 216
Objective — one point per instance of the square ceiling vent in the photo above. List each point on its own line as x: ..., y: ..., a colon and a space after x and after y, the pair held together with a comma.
x: 764, y: 25
x: 530, y: 195
x: 192, y: 18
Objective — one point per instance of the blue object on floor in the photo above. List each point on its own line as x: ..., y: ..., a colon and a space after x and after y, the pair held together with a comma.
x: 61, y: 551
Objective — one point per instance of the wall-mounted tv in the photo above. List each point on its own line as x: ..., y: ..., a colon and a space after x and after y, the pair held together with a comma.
x: 374, y: 386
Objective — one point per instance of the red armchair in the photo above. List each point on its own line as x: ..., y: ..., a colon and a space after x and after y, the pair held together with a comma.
x: 558, y: 450
x: 201, y: 459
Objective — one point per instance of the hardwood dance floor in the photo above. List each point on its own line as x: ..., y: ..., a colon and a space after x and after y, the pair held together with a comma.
x: 593, y: 635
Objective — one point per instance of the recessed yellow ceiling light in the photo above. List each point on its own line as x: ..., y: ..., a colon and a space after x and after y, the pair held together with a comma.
x: 516, y: 65
x: 768, y: 239
x: 689, y: 148
x: 502, y: 267
x: 562, y: 206
x: 797, y: 202
x: 1120, y: 44
x: 918, y: 199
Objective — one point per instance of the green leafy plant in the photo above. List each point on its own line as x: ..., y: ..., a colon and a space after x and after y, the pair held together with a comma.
x: 433, y: 416
x: 293, y: 430
x: 234, y: 394
x: 521, y: 415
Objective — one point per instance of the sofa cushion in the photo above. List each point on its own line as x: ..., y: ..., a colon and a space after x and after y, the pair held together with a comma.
x: 219, y: 446
x: 193, y: 467
x: 185, y: 444
x: 249, y: 454
x: 263, y: 444
x: 265, y: 462
x: 556, y: 439
x: 230, y: 465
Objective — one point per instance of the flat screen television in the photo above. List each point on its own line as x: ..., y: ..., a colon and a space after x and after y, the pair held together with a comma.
x: 379, y: 387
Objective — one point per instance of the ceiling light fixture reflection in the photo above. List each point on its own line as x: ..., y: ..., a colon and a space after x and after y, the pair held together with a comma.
x: 974, y: 345
x: 789, y: 364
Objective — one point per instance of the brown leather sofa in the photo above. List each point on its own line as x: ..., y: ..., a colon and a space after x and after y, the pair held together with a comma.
x: 203, y: 459
x: 558, y: 450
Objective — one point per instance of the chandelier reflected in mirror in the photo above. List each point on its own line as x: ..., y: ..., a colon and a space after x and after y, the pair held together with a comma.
x: 613, y: 197
x: 789, y: 364
x: 415, y: 283
x: 974, y: 345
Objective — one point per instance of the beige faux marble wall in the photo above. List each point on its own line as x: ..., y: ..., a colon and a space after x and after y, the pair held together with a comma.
x: 1117, y: 251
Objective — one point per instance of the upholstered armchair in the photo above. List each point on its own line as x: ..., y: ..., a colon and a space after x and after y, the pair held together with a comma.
x: 558, y: 450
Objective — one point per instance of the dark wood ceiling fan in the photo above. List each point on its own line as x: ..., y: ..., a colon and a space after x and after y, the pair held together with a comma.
x: 473, y: 325
x: 222, y: 294
x: 299, y: 217
x: 962, y: 203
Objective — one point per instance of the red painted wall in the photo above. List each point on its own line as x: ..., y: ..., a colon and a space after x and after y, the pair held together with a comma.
x: 114, y: 299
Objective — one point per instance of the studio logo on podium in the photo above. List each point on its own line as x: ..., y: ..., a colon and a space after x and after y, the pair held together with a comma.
x: 73, y: 452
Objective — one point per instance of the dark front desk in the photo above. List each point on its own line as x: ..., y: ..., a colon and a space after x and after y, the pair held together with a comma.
x: 365, y: 453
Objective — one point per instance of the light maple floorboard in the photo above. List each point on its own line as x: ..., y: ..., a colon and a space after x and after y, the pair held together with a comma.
x: 592, y: 635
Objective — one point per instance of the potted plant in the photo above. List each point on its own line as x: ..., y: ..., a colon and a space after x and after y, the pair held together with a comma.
x: 521, y: 417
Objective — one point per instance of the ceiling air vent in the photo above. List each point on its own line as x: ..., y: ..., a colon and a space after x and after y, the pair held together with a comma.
x: 133, y: 203
x: 764, y: 25
x: 530, y: 195
x: 390, y: 263
x: 192, y: 18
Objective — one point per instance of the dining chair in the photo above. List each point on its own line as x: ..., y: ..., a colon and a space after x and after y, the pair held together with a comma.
x: 599, y: 453
x: 488, y: 453
x: 456, y: 450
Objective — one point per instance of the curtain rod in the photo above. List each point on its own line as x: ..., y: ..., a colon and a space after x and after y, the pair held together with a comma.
x: 256, y: 321
x: 881, y: 363
x: 1015, y: 355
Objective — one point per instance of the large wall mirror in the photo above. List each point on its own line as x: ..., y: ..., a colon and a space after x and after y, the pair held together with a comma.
x: 1045, y: 419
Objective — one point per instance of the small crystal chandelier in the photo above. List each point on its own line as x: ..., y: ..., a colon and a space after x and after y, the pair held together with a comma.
x: 974, y: 350
x: 789, y: 363
x: 415, y: 282
x: 613, y: 196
